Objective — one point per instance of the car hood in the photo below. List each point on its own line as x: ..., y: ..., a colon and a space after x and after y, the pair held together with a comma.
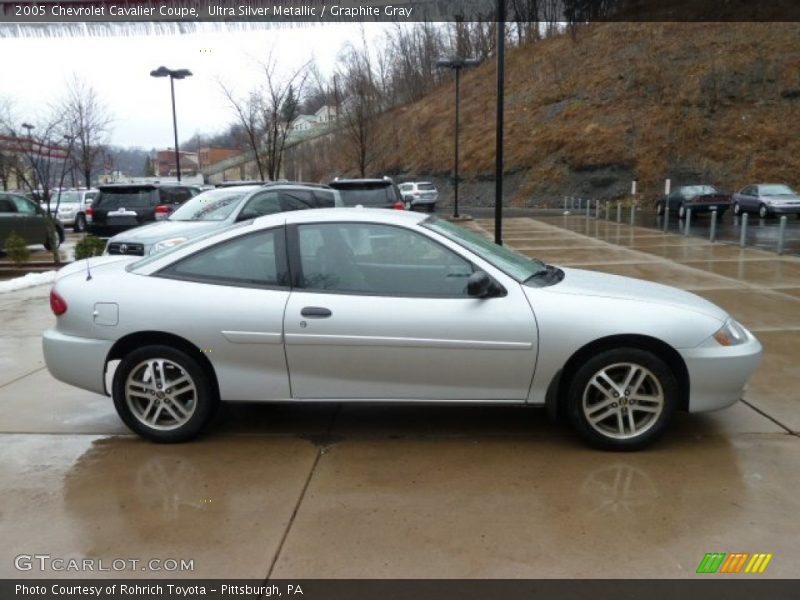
x: 591, y: 283
x: 782, y: 199
x: 163, y: 230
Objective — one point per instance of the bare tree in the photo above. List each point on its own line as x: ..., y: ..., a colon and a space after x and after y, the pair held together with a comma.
x: 88, y: 121
x: 267, y: 114
x: 362, y: 103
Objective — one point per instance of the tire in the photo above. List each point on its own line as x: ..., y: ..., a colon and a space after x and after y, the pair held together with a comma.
x: 660, y: 209
x: 59, y: 240
x: 681, y: 211
x: 604, y: 420
x: 737, y: 210
x: 763, y: 212
x: 80, y: 223
x: 172, y: 417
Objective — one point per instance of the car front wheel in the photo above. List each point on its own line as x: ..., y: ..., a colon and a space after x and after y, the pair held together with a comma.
x: 762, y: 211
x: 162, y: 394
x: 622, y: 399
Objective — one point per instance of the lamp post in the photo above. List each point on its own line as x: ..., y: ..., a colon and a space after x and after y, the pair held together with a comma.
x: 456, y: 63
x: 173, y: 74
x: 498, y: 165
x: 34, y: 163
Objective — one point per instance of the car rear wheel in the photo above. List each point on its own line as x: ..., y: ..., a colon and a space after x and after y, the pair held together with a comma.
x: 681, y: 211
x: 80, y: 223
x: 163, y: 394
x: 55, y: 244
x: 762, y: 211
x: 737, y: 210
x: 660, y: 209
x: 622, y: 399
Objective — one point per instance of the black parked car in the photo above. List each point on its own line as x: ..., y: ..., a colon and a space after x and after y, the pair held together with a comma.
x: 120, y: 207
x: 700, y: 198
x: 372, y: 193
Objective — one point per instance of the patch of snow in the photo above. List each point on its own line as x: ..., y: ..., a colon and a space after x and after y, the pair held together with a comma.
x: 26, y: 281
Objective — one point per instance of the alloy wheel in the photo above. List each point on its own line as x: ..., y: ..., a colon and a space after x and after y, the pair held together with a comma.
x: 160, y: 394
x: 623, y: 400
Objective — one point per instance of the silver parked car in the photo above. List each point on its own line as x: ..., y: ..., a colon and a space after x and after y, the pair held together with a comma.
x: 360, y: 305
x: 423, y: 195
x: 767, y: 199
x: 217, y: 209
x: 72, y: 205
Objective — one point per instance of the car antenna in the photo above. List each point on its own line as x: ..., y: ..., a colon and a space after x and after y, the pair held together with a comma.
x: 88, y: 270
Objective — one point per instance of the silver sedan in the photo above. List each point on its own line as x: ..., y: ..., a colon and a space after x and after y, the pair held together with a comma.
x: 365, y: 305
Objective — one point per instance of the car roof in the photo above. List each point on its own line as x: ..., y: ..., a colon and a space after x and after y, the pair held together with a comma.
x: 356, y: 182
x: 340, y: 214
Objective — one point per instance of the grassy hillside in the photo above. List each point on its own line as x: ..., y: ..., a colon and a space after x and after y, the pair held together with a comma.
x: 586, y: 114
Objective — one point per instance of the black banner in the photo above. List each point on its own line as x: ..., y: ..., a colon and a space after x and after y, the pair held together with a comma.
x: 710, y: 588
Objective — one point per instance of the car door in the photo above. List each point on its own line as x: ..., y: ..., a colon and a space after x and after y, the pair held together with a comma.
x: 380, y: 312
x: 35, y: 226
x: 229, y: 300
x: 749, y: 198
x: 11, y: 221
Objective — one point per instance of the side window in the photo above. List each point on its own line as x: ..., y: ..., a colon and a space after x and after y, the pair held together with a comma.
x: 379, y: 259
x: 324, y: 199
x: 6, y: 205
x: 174, y: 195
x: 257, y: 259
x: 753, y: 191
x: 89, y: 197
x: 265, y: 203
x: 296, y: 199
x: 23, y: 206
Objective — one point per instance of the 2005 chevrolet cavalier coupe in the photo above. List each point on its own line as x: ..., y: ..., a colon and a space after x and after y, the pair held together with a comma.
x: 363, y: 305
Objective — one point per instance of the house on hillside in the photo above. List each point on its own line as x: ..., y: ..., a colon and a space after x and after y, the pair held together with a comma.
x: 304, y: 123
x: 325, y: 116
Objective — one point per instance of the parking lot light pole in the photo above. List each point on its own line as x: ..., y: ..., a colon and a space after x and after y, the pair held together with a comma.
x: 173, y: 74
x: 456, y: 63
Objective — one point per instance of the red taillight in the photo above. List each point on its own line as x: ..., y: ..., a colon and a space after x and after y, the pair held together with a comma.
x: 57, y: 304
x: 399, y: 205
x: 89, y: 211
x: 162, y: 212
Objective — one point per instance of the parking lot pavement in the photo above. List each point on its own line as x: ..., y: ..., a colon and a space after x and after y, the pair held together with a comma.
x: 409, y: 491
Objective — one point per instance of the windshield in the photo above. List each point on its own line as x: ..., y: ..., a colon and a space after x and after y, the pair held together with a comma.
x: 776, y: 189
x: 512, y: 263
x: 214, y: 205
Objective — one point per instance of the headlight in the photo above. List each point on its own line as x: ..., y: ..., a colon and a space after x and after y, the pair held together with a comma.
x: 166, y: 244
x: 731, y: 334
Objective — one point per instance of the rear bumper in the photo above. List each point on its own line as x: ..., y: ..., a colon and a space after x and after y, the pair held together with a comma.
x: 75, y: 360
x: 718, y: 374
x: 700, y: 208
x: 423, y: 201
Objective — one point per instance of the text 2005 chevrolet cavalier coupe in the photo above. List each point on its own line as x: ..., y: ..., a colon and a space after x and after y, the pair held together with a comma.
x: 362, y: 305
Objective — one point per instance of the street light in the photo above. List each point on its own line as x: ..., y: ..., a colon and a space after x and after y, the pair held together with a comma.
x: 34, y: 162
x: 173, y: 74
x: 456, y: 63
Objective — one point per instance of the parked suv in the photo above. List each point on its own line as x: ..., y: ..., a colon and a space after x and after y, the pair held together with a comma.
x: 72, y: 205
x: 220, y: 208
x: 120, y: 207
x: 372, y: 193
x: 22, y: 216
x: 423, y: 195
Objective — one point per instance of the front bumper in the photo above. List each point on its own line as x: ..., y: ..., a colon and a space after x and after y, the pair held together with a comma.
x: 718, y: 374
x: 776, y: 209
x: 76, y: 360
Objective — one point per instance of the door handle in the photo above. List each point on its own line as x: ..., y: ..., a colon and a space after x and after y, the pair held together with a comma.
x: 316, y: 312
